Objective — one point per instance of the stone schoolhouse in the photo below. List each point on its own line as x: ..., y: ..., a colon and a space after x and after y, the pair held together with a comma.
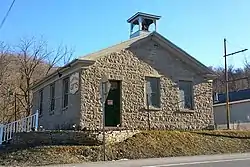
x: 178, y: 86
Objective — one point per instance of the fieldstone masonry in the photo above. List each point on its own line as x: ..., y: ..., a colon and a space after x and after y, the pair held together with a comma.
x: 23, y: 139
x: 117, y: 136
x: 131, y: 70
x: 32, y: 139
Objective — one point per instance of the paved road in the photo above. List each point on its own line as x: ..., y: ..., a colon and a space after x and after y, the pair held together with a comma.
x: 225, y: 160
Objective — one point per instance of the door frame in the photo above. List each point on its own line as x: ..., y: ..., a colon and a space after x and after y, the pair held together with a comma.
x: 120, y: 101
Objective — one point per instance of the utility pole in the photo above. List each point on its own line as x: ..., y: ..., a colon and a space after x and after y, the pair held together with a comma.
x: 226, y: 80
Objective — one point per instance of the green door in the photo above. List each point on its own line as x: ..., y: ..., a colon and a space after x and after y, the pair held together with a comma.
x: 112, y: 105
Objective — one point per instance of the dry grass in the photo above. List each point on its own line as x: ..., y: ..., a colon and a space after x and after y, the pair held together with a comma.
x: 147, y: 144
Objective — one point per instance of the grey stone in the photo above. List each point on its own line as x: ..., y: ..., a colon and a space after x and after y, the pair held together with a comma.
x: 131, y: 66
x: 133, y: 102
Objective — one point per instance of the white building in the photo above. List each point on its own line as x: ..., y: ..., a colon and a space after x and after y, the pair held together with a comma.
x: 239, y: 110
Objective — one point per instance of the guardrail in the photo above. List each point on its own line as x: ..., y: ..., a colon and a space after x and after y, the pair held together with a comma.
x: 26, y: 124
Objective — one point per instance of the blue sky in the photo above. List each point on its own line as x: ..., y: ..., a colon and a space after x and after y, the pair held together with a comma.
x: 196, y: 26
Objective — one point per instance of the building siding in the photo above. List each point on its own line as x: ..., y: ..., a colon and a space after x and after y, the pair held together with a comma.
x: 239, y: 113
x: 60, y: 118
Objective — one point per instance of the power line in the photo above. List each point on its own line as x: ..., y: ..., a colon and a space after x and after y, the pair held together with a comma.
x: 7, y: 14
x: 239, y: 47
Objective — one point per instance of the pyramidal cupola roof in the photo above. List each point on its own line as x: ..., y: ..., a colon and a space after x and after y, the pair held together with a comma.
x: 143, y: 22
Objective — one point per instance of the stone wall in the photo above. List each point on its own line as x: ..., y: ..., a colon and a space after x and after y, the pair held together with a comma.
x: 131, y: 71
x: 117, y: 136
x: 60, y: 118
x: 131, y: 75
x: 54, y: 138
x: 88, y: 138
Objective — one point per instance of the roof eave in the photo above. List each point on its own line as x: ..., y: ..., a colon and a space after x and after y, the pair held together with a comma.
x: 61, y: 70
x: 143, y: 14
x: 204, y: 68
x: 211, y: 75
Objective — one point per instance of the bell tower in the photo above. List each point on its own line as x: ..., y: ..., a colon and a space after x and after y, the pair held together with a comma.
x: 143, y: 21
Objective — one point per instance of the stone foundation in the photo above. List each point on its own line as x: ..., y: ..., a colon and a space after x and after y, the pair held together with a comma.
x: 54, y: 138
x: 87, y: 138
x: 117, y: 136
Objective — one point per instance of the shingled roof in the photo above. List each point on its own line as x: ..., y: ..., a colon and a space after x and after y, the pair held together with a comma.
x: 114, y: 48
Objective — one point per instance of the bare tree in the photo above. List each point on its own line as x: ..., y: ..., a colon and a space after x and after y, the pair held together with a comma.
x: 247, y: 72
x: 239, y: 78
x: 62, y: 53
x: 35, y: 61
x: 219, y: 82
x: 231, y: 78
x: 4, y: 102
x: 3, y: 60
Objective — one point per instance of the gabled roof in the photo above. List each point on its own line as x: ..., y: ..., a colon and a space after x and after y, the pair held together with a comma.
x: 60, y: 70
x: 91, y: 58
x: 144, y: 15
x: 127, y: 44
x: 114, y: 48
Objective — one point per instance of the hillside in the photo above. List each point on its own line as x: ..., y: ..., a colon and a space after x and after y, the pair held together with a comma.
x: 20, y: 66
x: 148, y: 144
x: 14, y: 80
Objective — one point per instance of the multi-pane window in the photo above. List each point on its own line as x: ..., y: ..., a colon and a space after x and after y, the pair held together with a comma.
x: 186, y: 94
x: 40, y: 102
x: 153, y: 91
x: 65, y: 92
x: 52, y: 97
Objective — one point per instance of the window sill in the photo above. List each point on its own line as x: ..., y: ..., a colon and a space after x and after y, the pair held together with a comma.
x: 65, y: 108
x: 185, y: 110
x: 153, y: 108
x: 52, y: 112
